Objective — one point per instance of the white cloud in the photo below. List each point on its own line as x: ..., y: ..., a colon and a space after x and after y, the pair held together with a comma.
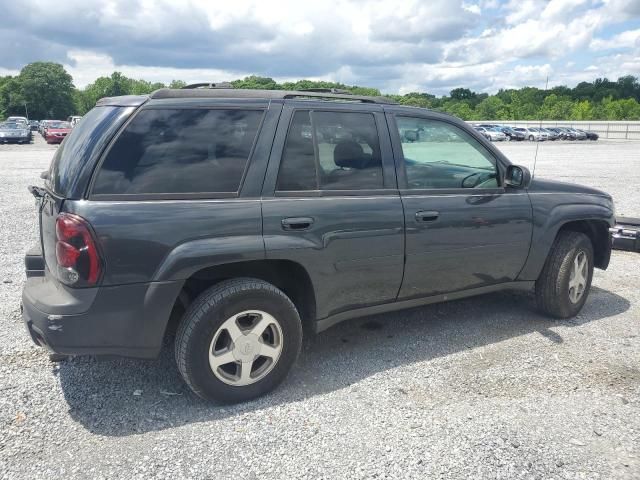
x: 395, y: 46
x: 628, y: 39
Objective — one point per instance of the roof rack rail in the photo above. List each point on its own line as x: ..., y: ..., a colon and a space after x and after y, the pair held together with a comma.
x: 340, y: 91
x: 220, y: 91
x: 208, y: 85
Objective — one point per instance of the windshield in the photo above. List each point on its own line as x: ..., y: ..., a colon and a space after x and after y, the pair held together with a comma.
x: 10, y: 126
x: 59, y: 125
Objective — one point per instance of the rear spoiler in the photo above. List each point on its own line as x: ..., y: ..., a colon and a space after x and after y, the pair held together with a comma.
x: 626, y: 234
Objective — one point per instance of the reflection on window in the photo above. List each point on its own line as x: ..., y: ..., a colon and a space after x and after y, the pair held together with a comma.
x: 180, y: 151
x: 440, y: 155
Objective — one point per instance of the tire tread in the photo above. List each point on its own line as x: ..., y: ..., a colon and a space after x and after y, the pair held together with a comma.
x: 549, y: 298
x: 204, y: 302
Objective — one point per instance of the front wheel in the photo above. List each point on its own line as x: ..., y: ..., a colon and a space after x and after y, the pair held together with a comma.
x: 564, y: 283
x: 238, y: 340
x: 531, y: 139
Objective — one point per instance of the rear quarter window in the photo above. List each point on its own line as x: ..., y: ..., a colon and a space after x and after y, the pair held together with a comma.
x: 76, y: 153
x: 180, y: 151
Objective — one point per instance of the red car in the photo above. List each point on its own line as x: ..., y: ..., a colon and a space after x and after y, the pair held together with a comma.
x: 56, y: 131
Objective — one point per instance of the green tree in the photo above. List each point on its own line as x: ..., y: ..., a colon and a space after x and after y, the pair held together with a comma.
x: 177, y: 84
x: 582, y: 110
x: 458, y: 109
x: 44, y: 89
x: 555, y: 108
x: 492, y: 108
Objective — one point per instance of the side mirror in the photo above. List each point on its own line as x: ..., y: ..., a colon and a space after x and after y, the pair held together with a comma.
x: 517, y: 177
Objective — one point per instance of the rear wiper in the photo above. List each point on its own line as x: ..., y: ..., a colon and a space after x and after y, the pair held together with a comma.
x: 37, y: 192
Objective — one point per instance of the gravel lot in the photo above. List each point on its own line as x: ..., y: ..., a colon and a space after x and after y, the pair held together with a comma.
x: 480, y: 388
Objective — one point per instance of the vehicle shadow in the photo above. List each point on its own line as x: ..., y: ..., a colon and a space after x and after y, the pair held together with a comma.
x: 121, y: 397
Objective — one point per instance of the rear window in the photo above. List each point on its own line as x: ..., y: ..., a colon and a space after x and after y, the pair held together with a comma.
x: 179, y: 151
x: 75, y: 152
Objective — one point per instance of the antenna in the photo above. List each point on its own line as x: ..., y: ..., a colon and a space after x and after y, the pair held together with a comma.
x: 535, y: 158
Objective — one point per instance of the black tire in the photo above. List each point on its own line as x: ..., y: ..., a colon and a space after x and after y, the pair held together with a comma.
x: 531, y: 139
x: 552, y: 286
x: 205, y: 316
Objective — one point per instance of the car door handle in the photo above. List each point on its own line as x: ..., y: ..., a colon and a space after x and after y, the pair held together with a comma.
x: 427, y: 216
x: 297, y: 223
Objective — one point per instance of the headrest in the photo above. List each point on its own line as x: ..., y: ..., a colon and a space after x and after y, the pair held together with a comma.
x: 349, y: 154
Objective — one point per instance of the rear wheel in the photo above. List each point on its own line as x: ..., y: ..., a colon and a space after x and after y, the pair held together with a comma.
x: 531, y: 139
x: 238, y: 340
x: 564, y: 283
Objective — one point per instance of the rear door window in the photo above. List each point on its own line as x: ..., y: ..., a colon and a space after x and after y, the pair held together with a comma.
x: 331, y: 151
x: 180, y: 151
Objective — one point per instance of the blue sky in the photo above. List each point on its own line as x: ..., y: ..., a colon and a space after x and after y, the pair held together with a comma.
x: 410, y: 45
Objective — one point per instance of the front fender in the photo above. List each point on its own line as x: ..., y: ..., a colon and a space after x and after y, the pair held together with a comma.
x: 189, y: 257
x: 552, y: 211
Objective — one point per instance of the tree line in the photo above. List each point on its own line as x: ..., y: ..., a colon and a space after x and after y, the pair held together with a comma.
x: 45, y: 90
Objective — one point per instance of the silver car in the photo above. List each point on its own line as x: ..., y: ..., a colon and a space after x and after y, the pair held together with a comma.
x: 492, y: 134
x: 531, y: 134
x: 11, y: 132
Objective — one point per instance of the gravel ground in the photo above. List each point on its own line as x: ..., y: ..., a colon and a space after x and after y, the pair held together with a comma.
x: 479, y: 388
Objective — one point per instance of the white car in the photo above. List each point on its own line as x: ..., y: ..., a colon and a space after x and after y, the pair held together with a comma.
x: 73, y: 120
x: 532, y: 134
x: 492, y: 134
x: 18, y: 120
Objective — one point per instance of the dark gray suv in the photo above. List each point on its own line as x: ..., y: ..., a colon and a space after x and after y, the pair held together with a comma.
x: 246, y: 217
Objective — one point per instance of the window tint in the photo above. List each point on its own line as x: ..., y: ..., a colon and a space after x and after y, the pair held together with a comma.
x: 331, y: 151
x: 180, y: 151
x: 298, y: 165
x: 440, y: 155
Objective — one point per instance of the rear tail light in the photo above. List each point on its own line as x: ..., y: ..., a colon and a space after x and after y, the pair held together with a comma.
x: 77, y: 255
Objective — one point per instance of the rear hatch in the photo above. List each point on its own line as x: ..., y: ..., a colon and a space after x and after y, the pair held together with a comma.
x: 72, y: 166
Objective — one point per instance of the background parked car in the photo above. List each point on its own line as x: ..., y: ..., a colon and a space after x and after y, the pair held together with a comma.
x: 22, y: 120
x: 590, y: 135
x: 43, y: 126
x: 56, y: 131
x: 492, y: 134
x: 512, y: 134
x: 12, y: 132
x: 34, y: 125
x: 580, y: 135
x: 73, y: 120
x: 551, y: 134
x: 530, y: 134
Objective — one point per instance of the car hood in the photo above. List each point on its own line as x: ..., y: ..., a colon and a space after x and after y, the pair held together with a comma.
x: 538, y: 185
x: 13, y: 130
x: 58, y: 130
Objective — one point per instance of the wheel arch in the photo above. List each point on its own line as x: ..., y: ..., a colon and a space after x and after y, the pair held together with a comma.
x: 591, y: 219
x: 289, y: 276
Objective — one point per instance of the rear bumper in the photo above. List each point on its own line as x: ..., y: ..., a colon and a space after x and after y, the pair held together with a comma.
x: 626, y: 234
x: 128, y: 320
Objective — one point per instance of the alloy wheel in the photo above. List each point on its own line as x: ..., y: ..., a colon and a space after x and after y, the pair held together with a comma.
x: 245, y: 348
x: 578, y: 277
